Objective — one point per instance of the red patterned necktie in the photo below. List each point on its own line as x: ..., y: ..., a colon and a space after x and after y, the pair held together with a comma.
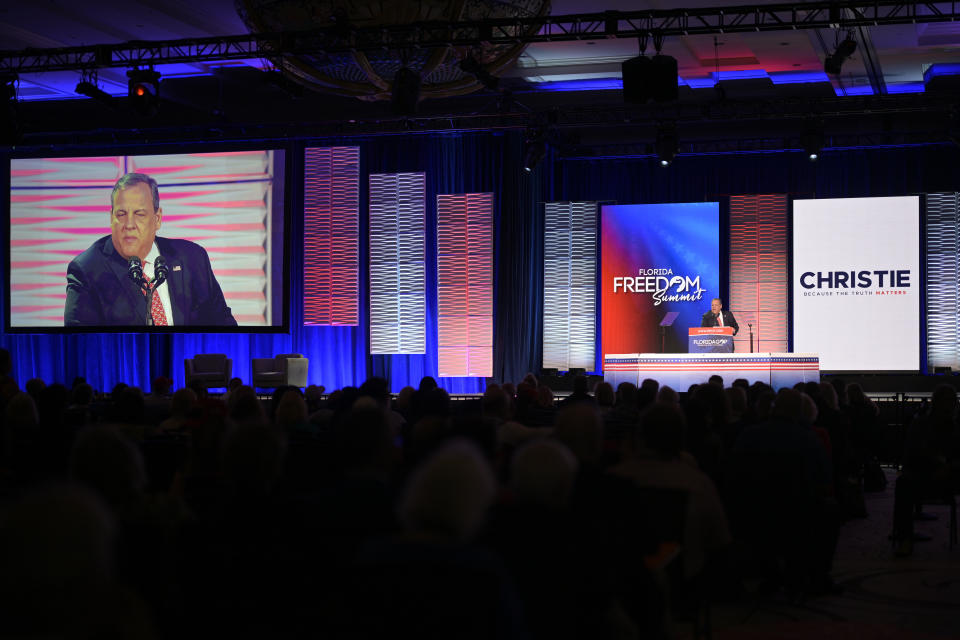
x: 156, y: 308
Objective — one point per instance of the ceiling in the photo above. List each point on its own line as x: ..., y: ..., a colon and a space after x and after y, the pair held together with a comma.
x: 890, y: 60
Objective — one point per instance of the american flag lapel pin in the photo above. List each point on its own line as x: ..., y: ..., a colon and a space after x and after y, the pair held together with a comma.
x: 176, y: 267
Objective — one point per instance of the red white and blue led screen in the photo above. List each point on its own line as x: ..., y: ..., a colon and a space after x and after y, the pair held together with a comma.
x: 656, y: 259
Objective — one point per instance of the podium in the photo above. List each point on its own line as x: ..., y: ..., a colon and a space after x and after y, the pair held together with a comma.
x: 710, y: 340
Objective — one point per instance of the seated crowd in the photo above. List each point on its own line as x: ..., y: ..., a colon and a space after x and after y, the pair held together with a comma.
x: 354, y: 514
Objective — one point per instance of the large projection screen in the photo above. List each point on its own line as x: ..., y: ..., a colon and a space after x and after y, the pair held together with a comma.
x: 219, y: 225
x: 658, y: 261
x: 856, y: 282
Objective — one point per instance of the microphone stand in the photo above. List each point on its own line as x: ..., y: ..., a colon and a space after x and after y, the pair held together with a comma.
x: 148, y: 296
x: 751, y: 336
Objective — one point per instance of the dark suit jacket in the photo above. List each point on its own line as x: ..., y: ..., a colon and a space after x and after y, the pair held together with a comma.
x: 710, y: 320
x: 99, y: 292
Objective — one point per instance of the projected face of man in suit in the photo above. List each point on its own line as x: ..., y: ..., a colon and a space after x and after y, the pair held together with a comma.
x: 135, y: 215
x: 715, y: 305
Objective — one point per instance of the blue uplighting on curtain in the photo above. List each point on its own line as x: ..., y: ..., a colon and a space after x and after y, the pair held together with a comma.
x: 474, y: 162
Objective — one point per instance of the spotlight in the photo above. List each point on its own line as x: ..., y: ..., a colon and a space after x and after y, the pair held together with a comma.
x: 534, y: 154
x: 667, y: 143
x: 89, y: 89
x: 143, y: 90
x: 470, y: 65
x: 406, y: 92
x: 845, y: 49
x: 812, y: 140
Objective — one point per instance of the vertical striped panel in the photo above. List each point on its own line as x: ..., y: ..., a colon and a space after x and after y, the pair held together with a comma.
x: 943, y: 280
x: 569, y: 285
x: 397, y: 277
x: 465, y: 284
x: 758, y: 270
x: 331, y: 243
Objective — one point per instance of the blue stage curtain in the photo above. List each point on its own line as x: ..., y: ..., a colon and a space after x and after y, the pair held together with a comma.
x: 476, y: 162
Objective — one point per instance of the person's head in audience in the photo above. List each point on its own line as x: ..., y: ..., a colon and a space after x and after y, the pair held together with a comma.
x: 252, y: 459
x: 77, y: 381
x: 667, y: 395
x: 427, y: 383
x: 82, y: 395
x: 741, y: 383
x: 763, y: 405
x: 711, y: 397
x: 542, y: 473
x: 278, y: 395
x: 129, y: 407
x: 235, y: 383
x: 788, y: 405
x: 199, y: 388
x: 291, y: 411
x: 544, y: 397
x: 244, y: 406
x: 737, y: 401
x: 526, y: 398
x: 182, y: 402
x: 59, y: 569
x: 510, y: 389
x: 106, y: 461
x: 435, y: 402
x: 580, y: 428
x: 363, y: 437
x: 604, y: 394
x: 627, y: 394
x: 715, y: 379
x: 377, y: 388
x: 495, y: 405
x: 34, y: 386
x: 161, y: 386
x: 855, y: 395
x: 828, y: 396
x: 812, y: 389
x: 943, y: 402
x: 580, y: 385
x: 21, y: 411
x: 531, y: 380
x: 52, y: 403
x: 808, y: 410
x: 403, y: 398
x: 314, y: 398
x: 117, y: 390
x: 448, y: 495
x: 840, y: 386
x: 662, y: 429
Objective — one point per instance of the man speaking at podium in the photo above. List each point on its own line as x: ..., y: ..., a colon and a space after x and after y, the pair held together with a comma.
x: 101, y: 290
x: 717, y: 317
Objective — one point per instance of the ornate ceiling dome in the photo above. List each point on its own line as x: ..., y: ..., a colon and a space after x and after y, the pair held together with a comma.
x: 369, y: 75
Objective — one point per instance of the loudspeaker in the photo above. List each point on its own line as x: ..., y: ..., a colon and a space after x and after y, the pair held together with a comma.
x: 649, y: 79
x: 946, y: 370
x: 553, y: 371
x: 406, y: 92
x: 577, y: 371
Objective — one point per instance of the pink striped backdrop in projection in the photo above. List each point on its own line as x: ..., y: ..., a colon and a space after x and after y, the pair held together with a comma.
x: 221, y: 201
x: 465, y: 284
x: 331, y: 242
x: 758, y: 271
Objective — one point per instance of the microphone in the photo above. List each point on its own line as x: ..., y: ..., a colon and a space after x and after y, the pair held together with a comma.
x: 160, y: 271
x: 135, y: 271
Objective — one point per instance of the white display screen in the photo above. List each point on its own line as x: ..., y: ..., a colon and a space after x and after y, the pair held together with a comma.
x: 856, y: 282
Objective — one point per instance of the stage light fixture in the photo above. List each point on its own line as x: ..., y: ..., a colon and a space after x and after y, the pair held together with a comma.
x: 812, y: 140
x: 471, y: 65
x: 143, y: 90
x: 834, y: 62
x: 536, y: 149
x: 91, y: 90
x: 667, y: 144
x: 406, y: 92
